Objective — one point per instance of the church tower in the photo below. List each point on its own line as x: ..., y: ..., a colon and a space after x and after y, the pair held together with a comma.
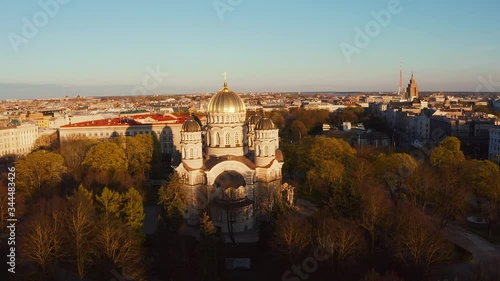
x: 266, y: 142
x: 191, y: 143
x: 252, y: 121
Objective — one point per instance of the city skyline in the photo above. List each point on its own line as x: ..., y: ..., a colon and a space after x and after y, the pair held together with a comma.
x: 179, y: 47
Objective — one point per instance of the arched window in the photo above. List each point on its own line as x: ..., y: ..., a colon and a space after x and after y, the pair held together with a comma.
x: 184, y: 153
x: 228, y: 139
x: 217, y: 139
x: 191, y: 153
x: 236, y: 139
x: 266, y: 151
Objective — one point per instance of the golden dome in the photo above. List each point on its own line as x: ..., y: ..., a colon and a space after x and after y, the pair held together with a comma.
x: 265, y: 124
x: 254, y: 119
x: 190, y: 125
x: 226, y: 101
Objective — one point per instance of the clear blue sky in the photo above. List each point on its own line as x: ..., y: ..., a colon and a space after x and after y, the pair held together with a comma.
x: 95, y: 47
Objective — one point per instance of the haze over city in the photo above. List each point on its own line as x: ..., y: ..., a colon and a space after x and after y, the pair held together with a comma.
x: 95, y: 48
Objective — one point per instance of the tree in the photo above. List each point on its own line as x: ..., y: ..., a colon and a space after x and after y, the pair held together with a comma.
x: 294, y: 167
x: 344, y: 202
x: 325, y: 174
x: 208, y: 248
x: 394, y: 170
x: 74, y: 149
x: 120, y: 246
x: 139, y: 151
x: 110, y: 203
x: 277, y: 118
x: 105, y: 160
x: 322, y: 148
x: 39, y: 173
x: 81, y: 228
x: 447, y: 154
x: 325, y: 161
x: 373, y: 212
x: 43, y: 234
x: 133, y: 209
x: 296, y: 130
x: 172, y: 197
x: 491, y: 210
x: 349, y: 115
x: 117, y: 235
x: 38, y: 242
x: 292, y: 236
x: 362, y: 173
x: 340, y: 238
x: 450, y: 202
x: 482, y: 179
x: 421, y: 186
x: 47, y: 142
x: 420, y: 244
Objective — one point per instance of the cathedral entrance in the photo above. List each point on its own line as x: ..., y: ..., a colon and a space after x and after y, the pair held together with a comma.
x: 231, y: 209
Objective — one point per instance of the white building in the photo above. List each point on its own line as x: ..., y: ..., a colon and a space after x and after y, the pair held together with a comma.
x: 494, y: 145
x: 18, y: 140
x: 419, y: 128
x: 166, y: 128
x: 231, y: 166
x: 324, y: 106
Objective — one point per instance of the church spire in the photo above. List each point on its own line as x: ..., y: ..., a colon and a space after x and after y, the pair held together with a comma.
x: 225, y: 79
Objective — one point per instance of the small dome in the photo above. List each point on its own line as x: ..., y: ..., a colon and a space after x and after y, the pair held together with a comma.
x: 191, y: 125
x: 226, y: 101
x: 265, y: 124
x: 254, y: 119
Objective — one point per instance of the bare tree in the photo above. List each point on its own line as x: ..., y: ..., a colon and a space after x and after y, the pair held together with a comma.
x: 341, y: 238
x: 293, y: 235
x: 43, y: 238
x: 374, y: 209
x: 120, y: 246
x: 420, y: 242
x: 81, y: 229
x: 39, y: 245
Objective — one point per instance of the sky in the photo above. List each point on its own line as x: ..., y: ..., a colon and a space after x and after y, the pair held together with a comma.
x: 54, y: 48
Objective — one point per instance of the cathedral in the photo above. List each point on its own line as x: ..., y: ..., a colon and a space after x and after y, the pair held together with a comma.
x: 231, y: 167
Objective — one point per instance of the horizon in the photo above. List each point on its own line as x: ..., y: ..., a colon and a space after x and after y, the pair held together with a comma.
x: 68, y: 47
x: 424, y: 93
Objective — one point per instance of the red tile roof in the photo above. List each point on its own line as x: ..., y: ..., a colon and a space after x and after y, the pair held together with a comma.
x: 132, y: 121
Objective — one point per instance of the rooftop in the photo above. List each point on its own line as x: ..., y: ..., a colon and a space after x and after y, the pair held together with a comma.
x: 136, y: 120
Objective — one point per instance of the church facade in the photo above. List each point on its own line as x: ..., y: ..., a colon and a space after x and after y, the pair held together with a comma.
x: 231, y: 167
